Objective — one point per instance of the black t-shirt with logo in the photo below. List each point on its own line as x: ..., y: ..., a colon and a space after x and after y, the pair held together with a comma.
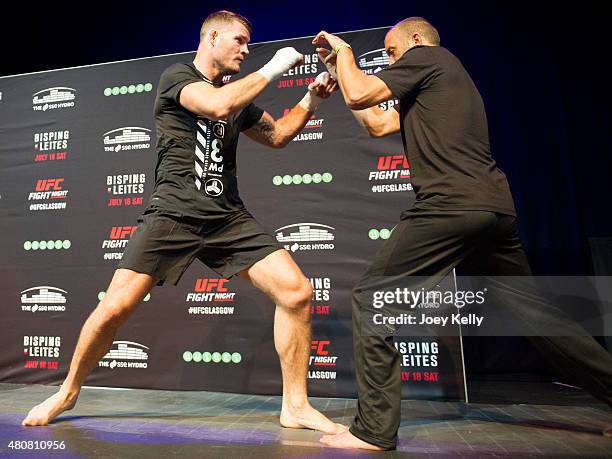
x: 196, y: 166
x: 445, y: 134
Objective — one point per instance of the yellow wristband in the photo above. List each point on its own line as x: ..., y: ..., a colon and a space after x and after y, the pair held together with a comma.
x: 340, y: 46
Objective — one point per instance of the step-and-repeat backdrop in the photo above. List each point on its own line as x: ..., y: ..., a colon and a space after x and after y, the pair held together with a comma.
x: 77, y: 152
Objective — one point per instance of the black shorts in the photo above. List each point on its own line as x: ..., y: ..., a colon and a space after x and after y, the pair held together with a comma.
x: 165, y: 244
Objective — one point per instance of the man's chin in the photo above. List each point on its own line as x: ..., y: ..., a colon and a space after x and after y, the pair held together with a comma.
x: 232, y: 71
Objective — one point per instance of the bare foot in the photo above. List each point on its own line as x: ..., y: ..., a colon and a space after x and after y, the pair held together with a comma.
x: 309, y: 418
x: 346, y: 439
x: 44, y: 413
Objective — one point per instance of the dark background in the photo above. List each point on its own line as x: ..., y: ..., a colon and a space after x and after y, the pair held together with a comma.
x: 543, y: 70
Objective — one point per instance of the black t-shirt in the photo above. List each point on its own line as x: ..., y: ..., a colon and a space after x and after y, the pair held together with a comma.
x: 445, y: 134
x: 196, y: 166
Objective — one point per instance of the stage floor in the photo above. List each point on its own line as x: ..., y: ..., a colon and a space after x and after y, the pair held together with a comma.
x: 163, y: 424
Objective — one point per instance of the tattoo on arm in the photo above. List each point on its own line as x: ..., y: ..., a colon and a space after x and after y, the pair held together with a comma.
x: 266, y: 130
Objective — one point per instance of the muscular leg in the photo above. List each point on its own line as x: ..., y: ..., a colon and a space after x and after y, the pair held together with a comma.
x: 126, y: 291
x: 279, y: 277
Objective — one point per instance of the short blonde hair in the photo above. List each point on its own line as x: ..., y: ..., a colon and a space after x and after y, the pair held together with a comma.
x: 223, y: 17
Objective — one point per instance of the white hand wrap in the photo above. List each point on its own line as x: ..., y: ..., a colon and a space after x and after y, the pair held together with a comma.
x: 283, y: 60
x: 331, y: 68
x: 310, y: 101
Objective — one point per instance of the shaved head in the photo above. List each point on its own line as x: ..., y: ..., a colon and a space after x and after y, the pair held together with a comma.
x: 408, y: 27
x: 407, y: 34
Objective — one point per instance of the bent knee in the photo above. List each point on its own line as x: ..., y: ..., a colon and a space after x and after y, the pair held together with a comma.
x: 114, y: 312
x: 298, y: 297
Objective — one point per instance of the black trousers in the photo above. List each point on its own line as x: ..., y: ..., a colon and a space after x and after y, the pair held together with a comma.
x: 430, y: 246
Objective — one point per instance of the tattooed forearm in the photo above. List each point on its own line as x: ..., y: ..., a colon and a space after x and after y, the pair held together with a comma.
x: 265, y: 129
x: 278, y: 133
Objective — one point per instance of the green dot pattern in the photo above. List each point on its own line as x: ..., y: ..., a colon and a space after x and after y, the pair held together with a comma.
x: 212, y: 357
x: 128, y: 89
x: 47, y: 245
x: 375, y: 234
x: 299, y: 179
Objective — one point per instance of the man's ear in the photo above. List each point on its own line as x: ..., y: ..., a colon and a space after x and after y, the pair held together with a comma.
x: 417, y: 38
x: 212, y: 37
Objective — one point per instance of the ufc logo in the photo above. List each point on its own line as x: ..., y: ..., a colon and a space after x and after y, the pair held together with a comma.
x: 48, y: 184
x: 386, y: 163
x: 319, y: 347
x: 122, y: 232
x: 207, y: 285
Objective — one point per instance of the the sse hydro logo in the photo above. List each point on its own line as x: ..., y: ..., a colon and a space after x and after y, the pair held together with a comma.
x: 117, y: 239
x: 127, y: 139
x: 125, y: 184
x: 128, y: 89
x: 302, y: 179
x: 306, y: 236
x: 214, y: 291
x: 43, y: 299
x: 394, y: 172
x: 212, y: 357
x: 125, y: 354
x: 53, y: 98
x: 46, y: 348
x: 51, y: 145
x: 52, y: 194
x: 321, y: 361
x: 373, y: 61
x: 321, y: 287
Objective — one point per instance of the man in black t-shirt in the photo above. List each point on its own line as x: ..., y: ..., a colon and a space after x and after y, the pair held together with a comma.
x: 463, y: 216
x: 195, y: 211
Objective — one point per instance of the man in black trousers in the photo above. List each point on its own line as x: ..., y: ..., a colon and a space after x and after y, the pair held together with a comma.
x: 463, y: 216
